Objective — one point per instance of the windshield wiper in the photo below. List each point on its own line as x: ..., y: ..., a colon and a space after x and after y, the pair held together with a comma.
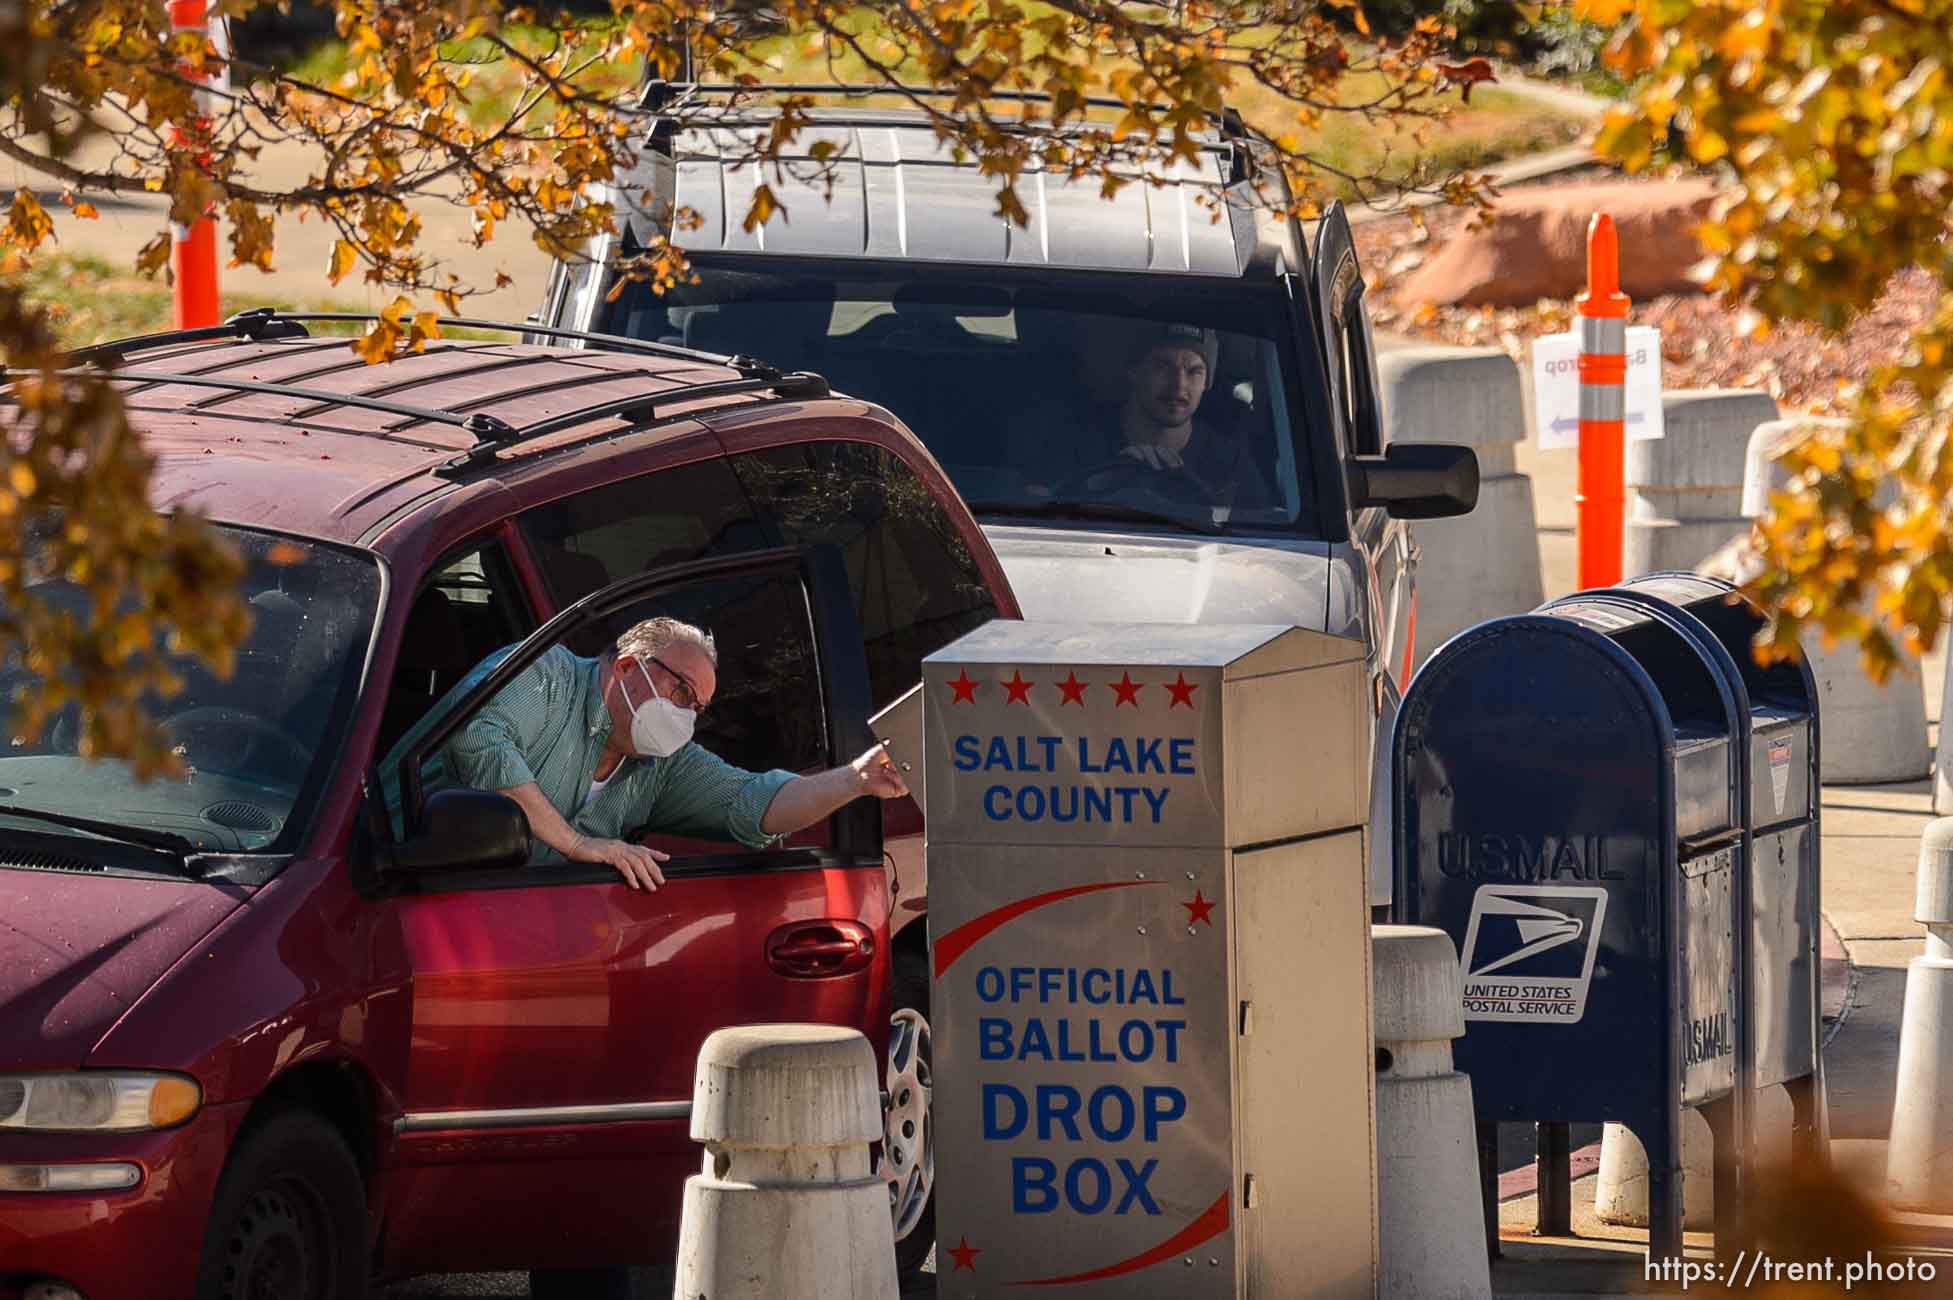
x: 1096, y: 510
x: 161, y: 841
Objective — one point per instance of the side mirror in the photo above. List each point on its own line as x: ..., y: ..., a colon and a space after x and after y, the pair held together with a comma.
x: 463, y: 830
x: 1417, y: 480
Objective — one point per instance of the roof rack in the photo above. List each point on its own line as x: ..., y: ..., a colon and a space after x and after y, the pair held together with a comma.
x: 492, y: 434
x: 791, y: 386
x: 1236, y: 139
x: 257, y: 324
x: 262, y: 323
x: 657, y: 94
x: 483, y: 425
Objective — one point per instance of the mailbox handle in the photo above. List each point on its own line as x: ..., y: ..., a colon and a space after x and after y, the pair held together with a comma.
x: 820, y: 949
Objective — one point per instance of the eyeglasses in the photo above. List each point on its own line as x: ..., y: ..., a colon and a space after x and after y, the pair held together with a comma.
x: 686, y: 696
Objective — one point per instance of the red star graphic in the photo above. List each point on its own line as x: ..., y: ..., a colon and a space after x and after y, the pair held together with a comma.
x: 1127, y: 690
x: 1018, y: 690
x: 1074, y: 691
x: 1199, y: 910
x: 964, y: 1254
x: 965, y: 687
x: 1181, y: 690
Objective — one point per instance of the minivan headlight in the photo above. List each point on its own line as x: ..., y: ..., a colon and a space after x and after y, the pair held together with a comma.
x: 89, y: 1101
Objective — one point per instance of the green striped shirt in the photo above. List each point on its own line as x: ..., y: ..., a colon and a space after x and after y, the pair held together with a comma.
x: 549, y: 725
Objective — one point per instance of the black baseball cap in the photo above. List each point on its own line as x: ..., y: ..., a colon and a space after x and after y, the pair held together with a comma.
x: 1173, y: 334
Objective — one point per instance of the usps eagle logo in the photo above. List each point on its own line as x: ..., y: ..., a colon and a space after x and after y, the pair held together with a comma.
x: 1529, y: 952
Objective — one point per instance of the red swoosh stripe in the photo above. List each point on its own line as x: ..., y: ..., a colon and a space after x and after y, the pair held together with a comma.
x: 1212, y: 1223
x: 965, y: 936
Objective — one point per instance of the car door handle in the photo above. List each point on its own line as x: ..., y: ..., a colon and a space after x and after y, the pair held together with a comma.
x: 808, y: 950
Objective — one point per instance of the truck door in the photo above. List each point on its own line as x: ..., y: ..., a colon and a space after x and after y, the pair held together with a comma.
x: 1381, y: 559
x: 557, y: 1013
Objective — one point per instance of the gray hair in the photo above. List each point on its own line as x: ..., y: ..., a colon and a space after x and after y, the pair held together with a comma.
x: 655, y: 635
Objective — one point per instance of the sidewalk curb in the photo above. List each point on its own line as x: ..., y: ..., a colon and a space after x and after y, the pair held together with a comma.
x: 1832, y: 954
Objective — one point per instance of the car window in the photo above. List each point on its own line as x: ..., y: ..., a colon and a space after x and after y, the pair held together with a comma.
x: 258, y: 741
x: 1360, y: 380
x: 768, y: 710
x: 587, y: 541
x: 469, y: 607
x: 1024, y: 388
x: 916, y: 586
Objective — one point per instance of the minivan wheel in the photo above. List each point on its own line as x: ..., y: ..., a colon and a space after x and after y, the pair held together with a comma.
x: 289, y: 1218
x: 909, y: 1140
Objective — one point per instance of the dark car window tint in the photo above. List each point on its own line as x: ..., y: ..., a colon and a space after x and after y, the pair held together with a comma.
x: 469, y: 608
x: 766, y: 712
x: 916, y: 586
x: 594, y: 538
x: 258, y: 742
x: 1017, y: 381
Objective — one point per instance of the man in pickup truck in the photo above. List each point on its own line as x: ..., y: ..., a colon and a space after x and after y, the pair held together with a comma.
x: 1158, y: 426
x: 591, y: 748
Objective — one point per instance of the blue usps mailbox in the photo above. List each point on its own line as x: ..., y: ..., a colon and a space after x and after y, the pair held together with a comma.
x: 1779, y: 807
x: 1569, y: 808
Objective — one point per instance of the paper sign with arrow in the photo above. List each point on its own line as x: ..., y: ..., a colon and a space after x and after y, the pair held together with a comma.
x: 1556, y: 387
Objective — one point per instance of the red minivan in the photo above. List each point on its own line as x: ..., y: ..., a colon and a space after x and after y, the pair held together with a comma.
x: 288, y: 1024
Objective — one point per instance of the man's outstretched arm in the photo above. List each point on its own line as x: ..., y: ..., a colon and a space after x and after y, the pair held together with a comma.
x: 807, y: 799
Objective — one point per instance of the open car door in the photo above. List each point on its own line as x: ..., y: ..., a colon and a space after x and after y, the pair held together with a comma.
x: 1382, y: 544
x: 557, y: 1013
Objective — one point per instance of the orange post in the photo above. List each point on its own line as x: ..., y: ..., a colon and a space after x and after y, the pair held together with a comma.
x: 194, y: 258
x: 1602, y: 500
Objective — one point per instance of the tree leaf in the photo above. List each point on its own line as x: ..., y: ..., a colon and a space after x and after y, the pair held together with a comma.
x: 345, y: 254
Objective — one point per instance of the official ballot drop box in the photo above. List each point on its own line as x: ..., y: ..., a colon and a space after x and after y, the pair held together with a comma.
x: 1149, y: 931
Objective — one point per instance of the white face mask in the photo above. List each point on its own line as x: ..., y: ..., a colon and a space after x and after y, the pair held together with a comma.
x: 659, y: 728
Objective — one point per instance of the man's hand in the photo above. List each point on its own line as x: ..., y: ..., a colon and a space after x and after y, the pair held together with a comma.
x: 878, y: 774
x: 1152, y: 456
x: 637, y: 864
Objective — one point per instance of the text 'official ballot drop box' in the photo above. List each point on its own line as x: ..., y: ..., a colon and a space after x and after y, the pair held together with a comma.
x: 1149, y: 928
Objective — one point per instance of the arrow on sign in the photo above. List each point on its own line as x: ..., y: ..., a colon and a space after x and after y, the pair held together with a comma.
x: 1567, y: 423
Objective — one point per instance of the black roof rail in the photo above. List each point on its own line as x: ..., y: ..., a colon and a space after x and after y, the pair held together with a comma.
x: 479, y: 423
x: 492, y: 434
x: 257, y: 324
x: 790, y: 386
x: 643, y: 347
x: 656, y: 94
x: 263, y: 323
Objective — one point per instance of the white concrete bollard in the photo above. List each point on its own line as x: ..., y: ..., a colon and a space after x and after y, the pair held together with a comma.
x: 1621, y: 1186
x: 1919, y: 1158
x: 1868, y: 733
x: 1430, y: 1219
x: 1485, y: 563
x: 1685, y: 489
x: 788, y: 1206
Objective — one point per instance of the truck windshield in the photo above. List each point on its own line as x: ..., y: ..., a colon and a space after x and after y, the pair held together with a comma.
x: 256, y: 744
x: 1135, y: 398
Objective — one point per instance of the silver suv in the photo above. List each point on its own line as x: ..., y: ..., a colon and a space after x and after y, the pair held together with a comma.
x: 1161, y: 407
x: 1041, y: 364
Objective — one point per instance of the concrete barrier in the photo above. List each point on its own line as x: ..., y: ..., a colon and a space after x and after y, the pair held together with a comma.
x: 1430, y: 1217
x: 1621, y: 1186
x: 1943, y: 759
x: 788, y: 1206
x: 1485, y: 563
x: 1919, y: 1158
x: 1685, y: 489
x: 1869, y: 733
